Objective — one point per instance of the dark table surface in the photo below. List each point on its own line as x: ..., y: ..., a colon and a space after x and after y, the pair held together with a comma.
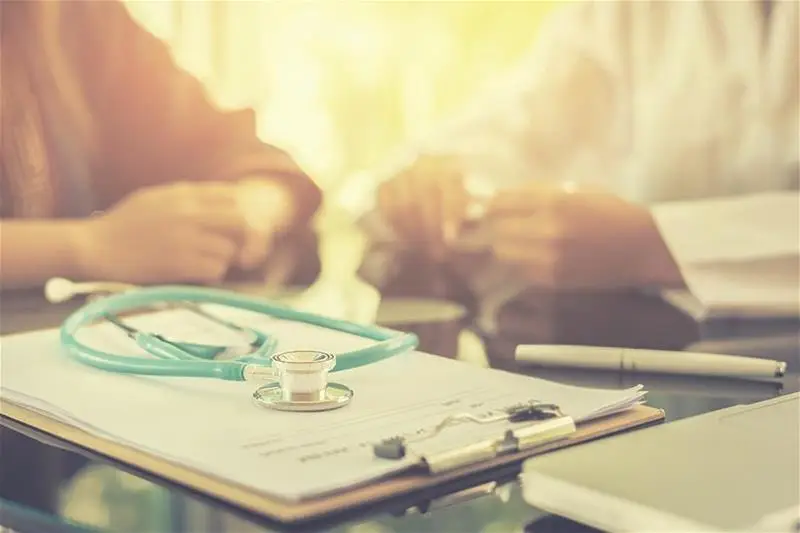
x: 94, y: 492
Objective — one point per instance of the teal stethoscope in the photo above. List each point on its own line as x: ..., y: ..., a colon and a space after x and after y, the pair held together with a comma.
x: 296, y: 380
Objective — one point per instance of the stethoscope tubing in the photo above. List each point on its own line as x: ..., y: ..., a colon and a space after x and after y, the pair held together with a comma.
x: 172, y: 361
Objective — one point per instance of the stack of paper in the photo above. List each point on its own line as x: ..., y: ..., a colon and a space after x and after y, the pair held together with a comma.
x: 771, y: 290
x: 214, y: 427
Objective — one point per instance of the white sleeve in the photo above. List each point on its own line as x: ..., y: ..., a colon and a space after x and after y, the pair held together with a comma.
x: 738, y: 255
x: 562, y: 99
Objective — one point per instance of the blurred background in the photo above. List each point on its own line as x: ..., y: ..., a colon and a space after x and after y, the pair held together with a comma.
x: 342, y: 83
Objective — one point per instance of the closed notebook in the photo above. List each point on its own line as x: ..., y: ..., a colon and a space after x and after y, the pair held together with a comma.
x: 736, y: 469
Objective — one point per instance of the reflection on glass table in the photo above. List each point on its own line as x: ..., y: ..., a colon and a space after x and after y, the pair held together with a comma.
x: 15, y: 518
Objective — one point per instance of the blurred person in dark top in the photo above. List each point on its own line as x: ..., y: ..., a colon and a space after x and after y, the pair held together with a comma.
x: 116, y: 166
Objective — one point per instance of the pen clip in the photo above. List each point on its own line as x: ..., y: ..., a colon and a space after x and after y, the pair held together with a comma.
x: 499, y: 489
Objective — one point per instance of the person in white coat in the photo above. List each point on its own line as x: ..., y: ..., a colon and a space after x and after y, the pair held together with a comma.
x: 642, y: 144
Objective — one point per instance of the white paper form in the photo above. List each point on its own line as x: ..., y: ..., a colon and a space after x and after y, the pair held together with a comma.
x: 213, y: 426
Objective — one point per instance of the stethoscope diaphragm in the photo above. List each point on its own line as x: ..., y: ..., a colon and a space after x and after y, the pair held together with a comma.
x: 302, y: 383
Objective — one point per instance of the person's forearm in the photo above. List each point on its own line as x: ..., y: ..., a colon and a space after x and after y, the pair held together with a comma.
x: 32, y: 251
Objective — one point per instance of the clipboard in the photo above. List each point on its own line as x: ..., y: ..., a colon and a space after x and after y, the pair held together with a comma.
x: 298, y: 513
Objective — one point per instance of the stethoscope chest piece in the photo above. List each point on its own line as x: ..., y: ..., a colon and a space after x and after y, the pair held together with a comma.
x: 303, y: 383
x: 333, y: 397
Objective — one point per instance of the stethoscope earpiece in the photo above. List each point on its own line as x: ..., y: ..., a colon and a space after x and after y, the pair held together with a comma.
x: 59, y: 290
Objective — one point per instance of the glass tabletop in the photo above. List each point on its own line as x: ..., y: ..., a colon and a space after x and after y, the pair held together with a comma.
x: 93, y: 493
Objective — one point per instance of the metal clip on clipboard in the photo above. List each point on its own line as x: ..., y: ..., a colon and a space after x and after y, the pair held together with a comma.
x: 550, y: 425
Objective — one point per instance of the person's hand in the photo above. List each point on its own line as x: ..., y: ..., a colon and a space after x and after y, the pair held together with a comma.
x: 426, y: 203
x: 183, y: 232
x: 573, y: 239
x: 269, y: 209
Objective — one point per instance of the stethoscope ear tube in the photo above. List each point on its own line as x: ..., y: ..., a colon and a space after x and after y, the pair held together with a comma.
x: 120, y: 364
x: 161, y: 348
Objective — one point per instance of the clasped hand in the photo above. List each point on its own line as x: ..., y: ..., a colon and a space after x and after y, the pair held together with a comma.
x: 555, y: 237
x: 181, y: 232
x: 575, y: 239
